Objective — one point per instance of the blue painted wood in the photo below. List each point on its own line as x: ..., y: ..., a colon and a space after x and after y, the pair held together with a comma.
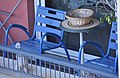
x: 113, y: 45
x: 47, y: 30
x: 49, y: 21
x: 114, y: 36
x: 33, y: 46
x: 106, y: 60
x: 51, y: 13
x: 14, y: 26
x: 90, y: 43
x: 114, y: 26
x: 52, y: 18
x: 60, y: 42
x: 56, y: 10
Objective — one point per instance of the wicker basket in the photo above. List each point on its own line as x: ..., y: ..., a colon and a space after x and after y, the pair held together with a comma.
x: 79, y: 17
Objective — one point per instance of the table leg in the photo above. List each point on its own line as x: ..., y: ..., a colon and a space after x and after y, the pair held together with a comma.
x: 82, y: 53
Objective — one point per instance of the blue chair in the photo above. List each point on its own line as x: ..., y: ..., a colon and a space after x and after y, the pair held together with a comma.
x: 52, y: 18
x: 107, y: 60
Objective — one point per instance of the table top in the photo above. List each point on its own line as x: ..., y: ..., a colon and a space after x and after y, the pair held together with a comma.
x: 79, y: 29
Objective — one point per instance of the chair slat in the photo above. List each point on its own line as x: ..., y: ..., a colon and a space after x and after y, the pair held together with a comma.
x: 33, y: 46
x: 113, y: 46
x: 104, y: 62
x: 114, y: 36
x: 51, y: 13
x: 114, y: 26
x: 47, y: 30
x: 41, y: 7
x: 31, y: 42
x: 48, y: 21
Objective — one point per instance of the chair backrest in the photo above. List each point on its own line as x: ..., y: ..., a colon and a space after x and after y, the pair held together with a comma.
x: 52, y: 18
x: 113, y: 45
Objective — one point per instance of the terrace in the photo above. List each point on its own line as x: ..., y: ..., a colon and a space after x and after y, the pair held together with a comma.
x: 52, y: 63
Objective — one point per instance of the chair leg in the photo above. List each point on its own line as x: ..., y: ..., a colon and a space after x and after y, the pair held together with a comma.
x: 68, y: 56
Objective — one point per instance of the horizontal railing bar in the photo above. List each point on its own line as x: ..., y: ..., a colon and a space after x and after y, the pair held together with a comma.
x: 59, y: 61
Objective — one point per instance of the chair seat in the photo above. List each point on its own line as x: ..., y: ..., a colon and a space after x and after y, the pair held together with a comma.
x: 33, y: 46
x: 99, y: 67
x: 106, y: 62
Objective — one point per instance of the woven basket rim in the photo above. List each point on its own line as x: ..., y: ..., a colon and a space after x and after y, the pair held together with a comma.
x: 77, y: 17
x: 67, y: 16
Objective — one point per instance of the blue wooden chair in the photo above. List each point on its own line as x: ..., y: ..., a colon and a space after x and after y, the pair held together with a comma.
x: 52, y: 18
x: 107, y: 60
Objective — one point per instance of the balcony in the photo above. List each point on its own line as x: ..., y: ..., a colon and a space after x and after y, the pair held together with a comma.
x: 52, y: 64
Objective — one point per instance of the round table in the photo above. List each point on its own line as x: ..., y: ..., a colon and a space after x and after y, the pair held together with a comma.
x: 94, y: 24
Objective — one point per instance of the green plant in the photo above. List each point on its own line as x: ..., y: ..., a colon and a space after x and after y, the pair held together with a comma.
x: 108, y: 18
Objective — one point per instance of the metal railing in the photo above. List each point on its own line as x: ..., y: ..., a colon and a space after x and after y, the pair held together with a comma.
x: 47, y: 66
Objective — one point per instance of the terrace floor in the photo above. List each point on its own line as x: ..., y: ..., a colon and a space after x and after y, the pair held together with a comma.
x: 5, y: 73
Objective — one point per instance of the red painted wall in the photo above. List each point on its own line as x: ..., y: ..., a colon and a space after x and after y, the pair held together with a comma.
x: 24, y: 15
